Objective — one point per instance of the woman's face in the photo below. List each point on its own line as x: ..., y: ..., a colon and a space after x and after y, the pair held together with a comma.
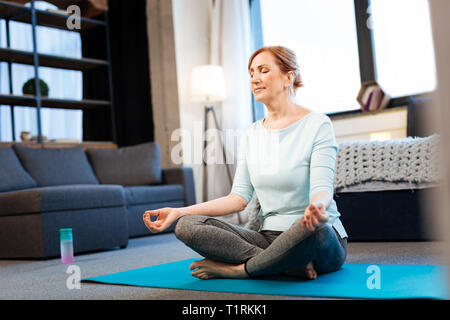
x: 266, y: 78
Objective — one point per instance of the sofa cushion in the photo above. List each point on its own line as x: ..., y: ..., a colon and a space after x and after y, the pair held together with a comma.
x: 60, y: 198
x: 150, y: 194
x: 57, y: 166
x: 12, y: 175
x: 127, y: 166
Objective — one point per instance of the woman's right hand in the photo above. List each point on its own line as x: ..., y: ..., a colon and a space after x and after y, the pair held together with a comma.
x: 315, y: 215
x: 164, y: 218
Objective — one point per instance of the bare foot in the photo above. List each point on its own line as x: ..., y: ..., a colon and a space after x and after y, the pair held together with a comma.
x: 307, y: 272
x: 310, y: 272
x: 209, y: 269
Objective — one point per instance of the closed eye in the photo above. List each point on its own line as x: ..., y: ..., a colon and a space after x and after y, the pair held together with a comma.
x: 264, y: 71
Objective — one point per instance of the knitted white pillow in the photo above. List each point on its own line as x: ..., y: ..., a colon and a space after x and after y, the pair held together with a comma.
x: 395, y: 160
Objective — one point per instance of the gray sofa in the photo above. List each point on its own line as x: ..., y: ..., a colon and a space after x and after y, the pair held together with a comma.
x: 100, y: 193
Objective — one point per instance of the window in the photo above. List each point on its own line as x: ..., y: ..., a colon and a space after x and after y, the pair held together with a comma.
x: 404, y: 54
x: 323, y: 35
x: 63, y: 84
x: 395, y: 47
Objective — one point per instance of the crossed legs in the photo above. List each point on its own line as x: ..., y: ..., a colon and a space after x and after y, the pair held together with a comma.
x: 235, y: 252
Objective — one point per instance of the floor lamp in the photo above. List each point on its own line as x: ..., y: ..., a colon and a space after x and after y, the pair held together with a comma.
x: 208, y: 87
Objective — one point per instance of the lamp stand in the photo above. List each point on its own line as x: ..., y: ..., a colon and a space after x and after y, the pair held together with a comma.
x: 205, y: 171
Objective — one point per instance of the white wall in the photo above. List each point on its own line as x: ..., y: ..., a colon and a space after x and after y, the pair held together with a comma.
x: 191, y: 26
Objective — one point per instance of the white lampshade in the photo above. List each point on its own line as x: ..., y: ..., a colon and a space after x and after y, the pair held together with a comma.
x: 207, y: 84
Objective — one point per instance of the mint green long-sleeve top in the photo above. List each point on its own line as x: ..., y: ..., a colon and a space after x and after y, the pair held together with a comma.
x: 286, y: 168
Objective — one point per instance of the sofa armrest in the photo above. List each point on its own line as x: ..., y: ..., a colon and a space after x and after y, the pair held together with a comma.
x: 183, y: 176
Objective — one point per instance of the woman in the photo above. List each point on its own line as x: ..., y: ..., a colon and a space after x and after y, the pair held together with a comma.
x: 301, y: 234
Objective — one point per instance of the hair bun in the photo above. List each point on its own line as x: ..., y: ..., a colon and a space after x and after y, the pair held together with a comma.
x: 298, y: 80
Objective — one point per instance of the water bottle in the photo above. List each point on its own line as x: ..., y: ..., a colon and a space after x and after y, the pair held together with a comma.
x: 66, y: 243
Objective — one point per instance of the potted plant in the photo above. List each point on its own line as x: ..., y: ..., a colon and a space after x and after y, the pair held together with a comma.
x: 29, y: 87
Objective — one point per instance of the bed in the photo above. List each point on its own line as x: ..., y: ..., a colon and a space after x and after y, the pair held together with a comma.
x: 382, y: 187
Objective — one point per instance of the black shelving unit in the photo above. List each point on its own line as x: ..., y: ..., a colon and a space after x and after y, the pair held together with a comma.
x: 10, y: 11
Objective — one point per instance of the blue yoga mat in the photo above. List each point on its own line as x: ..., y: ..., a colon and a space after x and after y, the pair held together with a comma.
x: 362, y: 281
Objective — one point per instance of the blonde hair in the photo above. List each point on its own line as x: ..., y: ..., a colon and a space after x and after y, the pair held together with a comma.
x: 285, y: 59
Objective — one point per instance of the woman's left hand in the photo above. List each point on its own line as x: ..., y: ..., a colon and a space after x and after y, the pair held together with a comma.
x: 315, y: 215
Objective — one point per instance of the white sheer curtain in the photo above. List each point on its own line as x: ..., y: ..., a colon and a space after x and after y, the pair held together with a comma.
x: 230, y: 48
x: 63, y: 84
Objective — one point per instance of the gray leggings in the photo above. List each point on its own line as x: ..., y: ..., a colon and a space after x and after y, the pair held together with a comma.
x: 265, y: 252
